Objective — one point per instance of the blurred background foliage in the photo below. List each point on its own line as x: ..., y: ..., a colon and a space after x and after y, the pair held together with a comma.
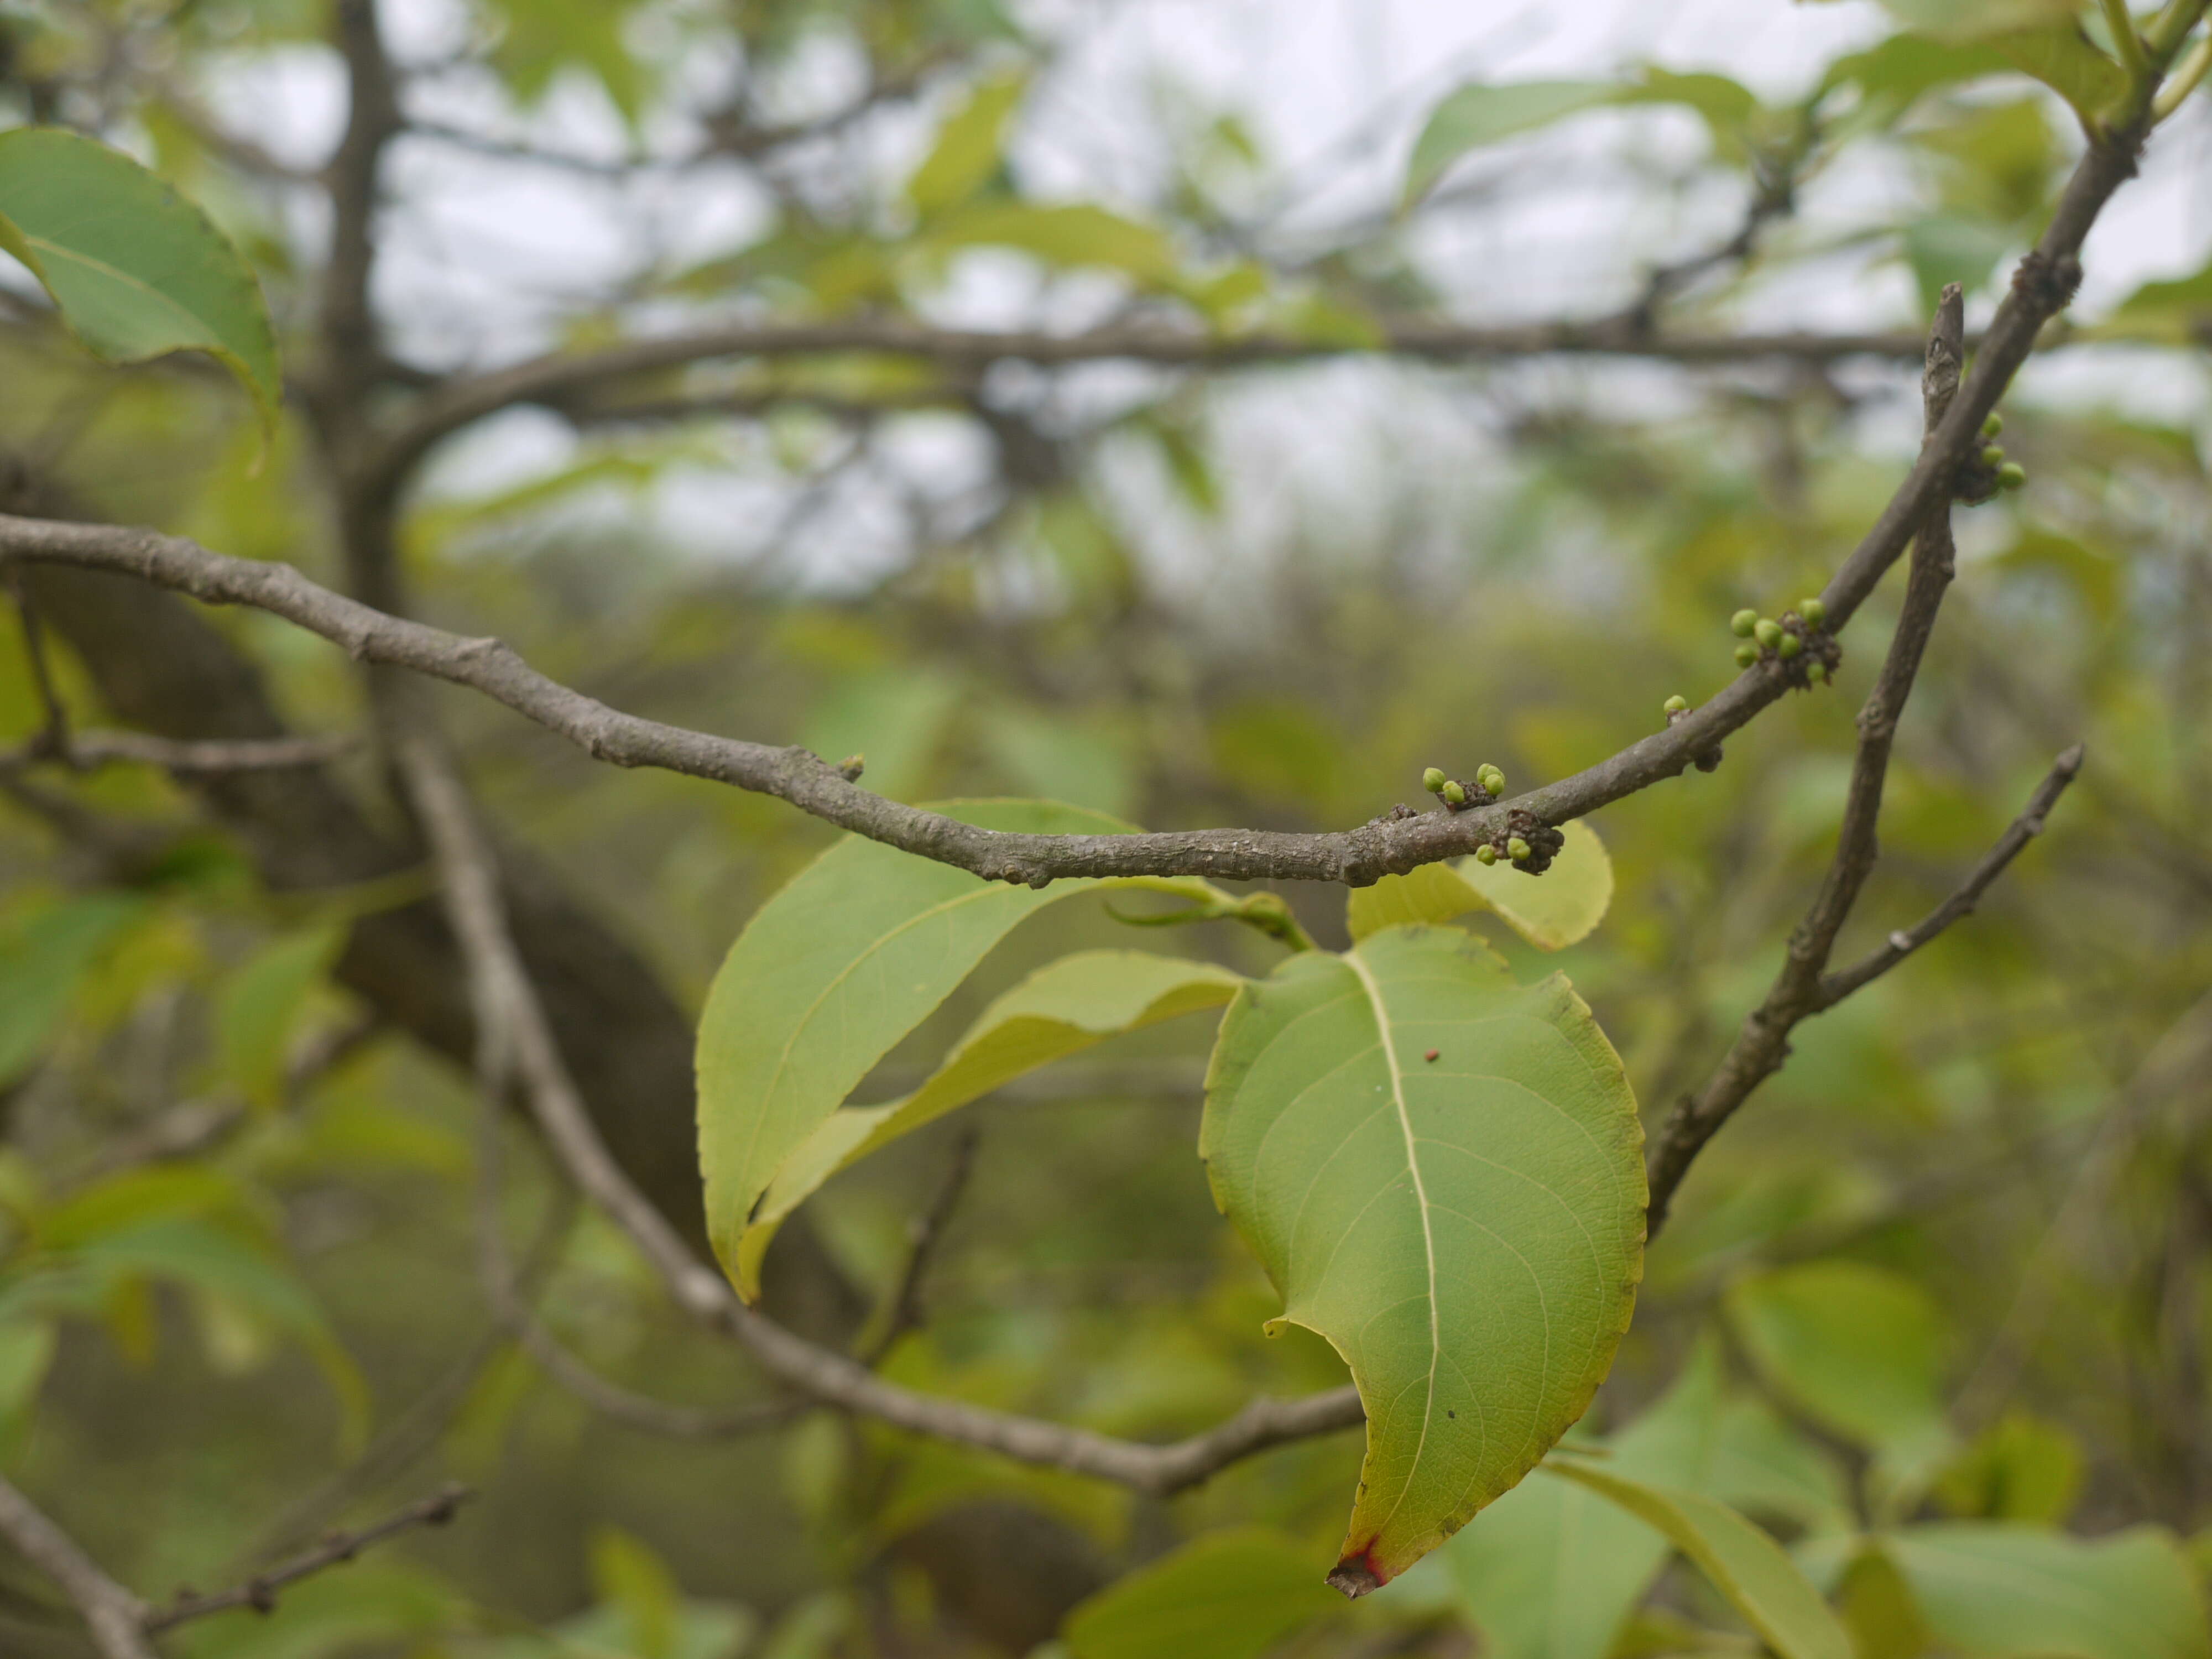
x: 1952, y: 1266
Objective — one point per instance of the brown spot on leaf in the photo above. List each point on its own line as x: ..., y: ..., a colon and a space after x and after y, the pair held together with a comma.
x: 1356, y: 1576
x: 1431, y: 1055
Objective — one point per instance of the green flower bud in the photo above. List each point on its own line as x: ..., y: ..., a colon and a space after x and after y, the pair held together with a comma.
x: 1516, y: 849
x: 1993, y: 456
x: 1767, y: 632
x: 1454, y: 792
x: 1485, y: 854
x: 1992, y: 423
x: 1789, y: 646
x: 2011, y: 476
x: 1743, y: 622
x: 1675, y: 705
x: 1813, y: 611
x: 1816, y: 670
x: 1491, y: 778
x: 1433, y: 780
x: 1746, y: 654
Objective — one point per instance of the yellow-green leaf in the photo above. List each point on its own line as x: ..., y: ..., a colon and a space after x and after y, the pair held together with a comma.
x: 2010, y: 1592
x: 968, y: 146
x: 136, y: 270
x: 1065, y: 1007
x: 1441, y: 1171
x: 1226, y: 1596
x: 1551, y: 911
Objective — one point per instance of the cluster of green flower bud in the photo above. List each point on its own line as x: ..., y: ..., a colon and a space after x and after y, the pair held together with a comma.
x: 1798, y: 638
x: 1526, y: 843
x: 1457, y: 793
x: 1986, y: 474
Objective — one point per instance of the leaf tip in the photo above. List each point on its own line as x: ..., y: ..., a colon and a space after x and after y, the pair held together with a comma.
x: 1355, y: 1575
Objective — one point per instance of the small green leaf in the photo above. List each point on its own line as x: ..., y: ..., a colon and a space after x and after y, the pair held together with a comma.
x: 2021, y: 1469
x: 1226, y: 1596
x: 637, y: 1584
x: 259, y: 1006
x: 1074, y: 233
x: 1478, y: 114
x: 832, y: 972
x: 1067, y: 1006
x: 1745, y: 1565
x: 136, y: 270
x: 44, y: 957
x: 1550, y: 1570
x: 2009, y: 1592
x: 1957, y: 21
x: 967, y: 151
x: 1858, y: 1348
x: 1551, y: 911
x: 1440, y: 1171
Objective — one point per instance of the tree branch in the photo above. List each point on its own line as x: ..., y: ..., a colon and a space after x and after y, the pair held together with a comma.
x: 115, y: 1617
x: 1762, y: 1046
x: 259, y: 1592
x: 901, y: 1310
x: 83, y: 752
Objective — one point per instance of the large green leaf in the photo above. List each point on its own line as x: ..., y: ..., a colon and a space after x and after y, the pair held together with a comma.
x: 1440, y: 1171
x: 1858, y: 1348
x: 832, y: 972
x: 2014, y: 1591
x: 1226, y: 1596
x: 1066, y: 1005
x: 1551, y: 1569
x: 136, y: 270
x: 1551, y: 911
x: 1745, y: 1565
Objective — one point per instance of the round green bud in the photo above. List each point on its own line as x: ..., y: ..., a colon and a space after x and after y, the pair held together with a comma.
x: 1767, y: 632
x: 1993, y: 456
x: 1433, y: 780
x: 2011, y: 476
x: 1813, y: 611
x: 1816, y: 670
x: 1485, y: 854
x: 1743, y: 622
x: 1675, y: 705
x: 1491, y: 778
x: 1746, y: 654
x: 1454, y: 792
x: 1992, y: 423
x: 1789, y: 646
x: 1516, y: 849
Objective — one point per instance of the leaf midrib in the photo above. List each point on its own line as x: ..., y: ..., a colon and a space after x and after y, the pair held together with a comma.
x: 1374, y: 993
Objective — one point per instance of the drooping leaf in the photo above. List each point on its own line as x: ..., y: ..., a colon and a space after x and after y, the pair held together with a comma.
x: 258, y: 1008
x: 44, y: 955
x: 1858, y: 1348
x: 1749, y: 1568
x: 1478, y: 114
x: 966, y: 153
x: 1465, y: 1230
x: 136, y: 270
x: 1551, y: 911
x: 1227, y: 1595
x: 1065, y: 1007
x: 2009, y: 1592
x: 1551, y: 1569
x: 2065, y: 59
x: 832, y: 972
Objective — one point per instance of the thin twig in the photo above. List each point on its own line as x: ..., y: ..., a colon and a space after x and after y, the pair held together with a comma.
x: 902, y: 1311
x: 1762, y: 1046
x: 1835, y: 987
x: 259, y: 1592
x: 114, y: 1615
x: 83, y: 752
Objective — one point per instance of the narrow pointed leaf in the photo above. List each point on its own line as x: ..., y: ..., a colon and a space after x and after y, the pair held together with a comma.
x: 1551, y: 911
x: 1467, y: 1231
x: 1067, y: 1006
x: 1745, y: 1565
x: 136, y: 270
x: 830, y: 974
